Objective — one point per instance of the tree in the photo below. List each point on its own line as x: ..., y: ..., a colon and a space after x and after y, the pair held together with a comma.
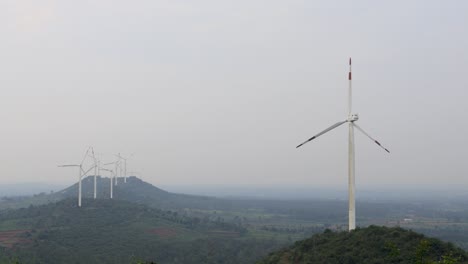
x: 422, y: 252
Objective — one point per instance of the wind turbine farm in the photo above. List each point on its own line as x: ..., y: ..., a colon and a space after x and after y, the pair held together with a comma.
x: 174, y: 227
x: 120, y: 165
x: 213, y: 132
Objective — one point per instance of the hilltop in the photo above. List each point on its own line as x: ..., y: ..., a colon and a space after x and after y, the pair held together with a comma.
x: 134, y: 190
x: 369, y: 245
x: 138, y: 191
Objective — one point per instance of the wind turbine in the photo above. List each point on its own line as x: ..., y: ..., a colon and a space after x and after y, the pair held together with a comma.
x: 113, y: 173
x: 116, y: 170
x: 79, y: 179
x: 110, y: 178
x: 80, y: 170
x: 124, y: 165
x: 96, y: 171
x: 351, y: 120
x: 118, y: 167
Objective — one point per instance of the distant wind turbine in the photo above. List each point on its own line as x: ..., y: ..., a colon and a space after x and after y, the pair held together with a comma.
x: 79, y: 179
x: 96, y: 170
x: 116, y: 172
x: 352, y: 118
x: 110, y: 178
x: 116, y: 166
x: 124, y: 165
x: 81, y: 173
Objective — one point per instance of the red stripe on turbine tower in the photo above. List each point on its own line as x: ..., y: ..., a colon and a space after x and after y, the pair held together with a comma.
x: 349, y: 76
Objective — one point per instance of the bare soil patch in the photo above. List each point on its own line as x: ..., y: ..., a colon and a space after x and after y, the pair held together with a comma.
x: 164, y: 232
x: 11, y: 238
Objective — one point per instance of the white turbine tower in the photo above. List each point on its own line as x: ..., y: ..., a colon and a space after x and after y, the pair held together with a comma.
x: 81, y: 173
x: 124, y: 165
x: 116, y: 170
x: 112, y: 175
x: 110, y: 178
x: 352, y: 118
x: 79, y: 179
x: 96, y: 171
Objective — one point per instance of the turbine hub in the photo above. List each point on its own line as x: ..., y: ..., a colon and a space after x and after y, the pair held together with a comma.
x: 353, y: 117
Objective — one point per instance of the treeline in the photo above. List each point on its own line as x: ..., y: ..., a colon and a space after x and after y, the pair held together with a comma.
x: 109, y: 231
x: 110, y: 212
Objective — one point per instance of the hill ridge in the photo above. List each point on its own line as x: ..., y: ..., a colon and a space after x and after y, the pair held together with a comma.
x: 138, y: 191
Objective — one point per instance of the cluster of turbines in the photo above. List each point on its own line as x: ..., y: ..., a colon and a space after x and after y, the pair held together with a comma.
x: 119, y: 169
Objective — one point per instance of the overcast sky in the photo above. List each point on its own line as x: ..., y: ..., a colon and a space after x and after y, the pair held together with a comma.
x: 221, y: 92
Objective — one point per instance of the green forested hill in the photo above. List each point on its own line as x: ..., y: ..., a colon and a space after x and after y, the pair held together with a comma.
x: 116, y: 231
x: 369, y: 245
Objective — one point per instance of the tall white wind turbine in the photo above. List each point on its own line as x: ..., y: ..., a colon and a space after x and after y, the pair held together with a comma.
x: 80, y: 169
x: 351, y: 120
x: 113, y: 174
x: 81, y: 173
x: 116, y: 172
x: 124, y: 165
x: 110, y: 178
x: 119, y: 165
x: 96, y: 170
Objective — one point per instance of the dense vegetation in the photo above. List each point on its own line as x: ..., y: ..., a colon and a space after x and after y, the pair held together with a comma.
x: 369, y: 245
x: 109, y: 231
x: 145, y: 222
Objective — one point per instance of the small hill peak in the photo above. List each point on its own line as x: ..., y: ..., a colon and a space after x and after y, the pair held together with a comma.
x: 372, y: 244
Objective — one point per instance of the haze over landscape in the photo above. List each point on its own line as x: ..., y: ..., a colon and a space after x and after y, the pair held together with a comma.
x: 220, y: 92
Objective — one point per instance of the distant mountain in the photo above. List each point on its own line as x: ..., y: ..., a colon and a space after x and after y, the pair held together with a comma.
x: 369, y: 245
x: 117, y: 231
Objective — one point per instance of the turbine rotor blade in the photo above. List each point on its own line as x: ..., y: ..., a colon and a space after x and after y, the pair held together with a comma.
x: 323, y: 132
x: 85, y: 155
x: 92, y: 154
x: 371, y: 138
x: 86, y: 172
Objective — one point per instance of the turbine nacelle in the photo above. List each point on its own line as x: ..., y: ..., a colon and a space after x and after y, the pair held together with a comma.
x: 353, y: 117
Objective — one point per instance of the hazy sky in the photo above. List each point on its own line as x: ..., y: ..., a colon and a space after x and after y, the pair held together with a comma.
x: 221, y: 92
